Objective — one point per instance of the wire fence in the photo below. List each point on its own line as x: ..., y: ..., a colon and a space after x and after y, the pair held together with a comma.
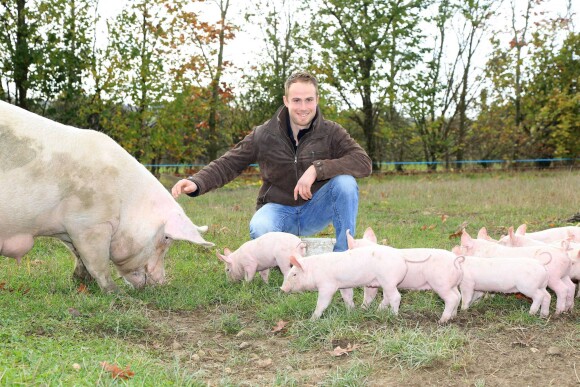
x: 415, y: 166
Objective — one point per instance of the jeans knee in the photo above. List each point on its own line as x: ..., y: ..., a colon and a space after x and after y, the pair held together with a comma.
x: 345, y: 185
x: 259, y: 227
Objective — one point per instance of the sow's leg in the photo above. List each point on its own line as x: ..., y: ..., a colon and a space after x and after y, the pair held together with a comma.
x: 81, y: 273
x: 93, y: 247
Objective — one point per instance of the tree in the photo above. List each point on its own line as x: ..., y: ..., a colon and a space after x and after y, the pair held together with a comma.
x: 551, y: 100
x: 62, y: 75
x: 475, y: 14
x: 506, y: 71
x: 262, y: 83
x: 431, y: 101
x: 367, y: 47
x: 138, y: 56
x: 19, y: 37
x: 203, y: 66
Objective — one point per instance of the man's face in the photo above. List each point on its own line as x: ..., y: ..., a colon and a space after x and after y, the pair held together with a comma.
x: 301, y: 102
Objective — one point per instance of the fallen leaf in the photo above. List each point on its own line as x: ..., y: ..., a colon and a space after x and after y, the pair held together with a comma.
x: 76, y: 366
x: 280, y: 326
x: 116, y: 371
x: 431, y: 227
x: 423, y: 228
x: 82, y: 289
x: 74, y: 312
x: 456, y: 234
x: 22, y: 290
x: 338, y: 351
x: 444, y: 218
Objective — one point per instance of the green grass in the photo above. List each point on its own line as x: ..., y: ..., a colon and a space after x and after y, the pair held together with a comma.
x: 47, y: 328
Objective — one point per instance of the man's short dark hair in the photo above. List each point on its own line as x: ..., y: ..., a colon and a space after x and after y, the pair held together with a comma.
x: 300, y: 76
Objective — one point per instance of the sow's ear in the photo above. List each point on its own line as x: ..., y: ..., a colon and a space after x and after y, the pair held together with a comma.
x: 179, y: 227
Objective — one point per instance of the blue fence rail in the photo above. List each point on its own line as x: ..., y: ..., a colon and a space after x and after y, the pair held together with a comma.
x: 386, y: 163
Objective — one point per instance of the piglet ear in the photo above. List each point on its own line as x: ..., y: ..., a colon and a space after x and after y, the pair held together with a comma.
x: 466, y: 239
x: 180, y: 227
x: 482, y: 234
x: 511, y: 233
x: 225, y: 257
x: 370, y: 235
x: 521, y: 229
x: 295, y: 262
x: 350, y: 240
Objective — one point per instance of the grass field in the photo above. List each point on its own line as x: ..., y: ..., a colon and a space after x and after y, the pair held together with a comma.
x: 198, y: 329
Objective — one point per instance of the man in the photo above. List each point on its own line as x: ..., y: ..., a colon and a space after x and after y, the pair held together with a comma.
x: 308, y: 167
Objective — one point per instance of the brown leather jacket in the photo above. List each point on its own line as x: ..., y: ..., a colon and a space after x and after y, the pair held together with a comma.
x: 328, y: 147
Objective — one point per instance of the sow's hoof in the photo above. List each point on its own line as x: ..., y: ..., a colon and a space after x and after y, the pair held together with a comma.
x: 81, y: 274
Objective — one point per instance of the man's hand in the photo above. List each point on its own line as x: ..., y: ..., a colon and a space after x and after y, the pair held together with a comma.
x: 183, y: 186
x: 305, y: 183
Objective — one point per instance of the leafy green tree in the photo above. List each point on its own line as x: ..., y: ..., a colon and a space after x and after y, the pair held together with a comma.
x: 367, y: 50
x: 431, y: 101
x: 19, y: 45
x: 551, y: 103
x: 202, y: 65
x: 66, y: 57
x: 138, y: 55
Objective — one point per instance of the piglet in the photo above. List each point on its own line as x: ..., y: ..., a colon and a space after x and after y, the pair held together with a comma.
x: 506, y: 275
x: 558, y: 268
x: 575, y: 270
x: 556, y: 234
x: 260, y: 255
x: 368, y: 266
x: 428, y: 269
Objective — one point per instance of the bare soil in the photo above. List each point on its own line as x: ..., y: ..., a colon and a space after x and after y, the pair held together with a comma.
x: 495, y: 354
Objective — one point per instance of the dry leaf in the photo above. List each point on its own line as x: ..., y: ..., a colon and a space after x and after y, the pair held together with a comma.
x: 338, y: 351
x: 431, y: 227
x: 82, y: 289
x: 423, y: 228
x: 444, y: 218
x: 74, y: 312
x: 456, y: 234
x: 280, y: 326
x: 116, y: 371
x: 76, y: 366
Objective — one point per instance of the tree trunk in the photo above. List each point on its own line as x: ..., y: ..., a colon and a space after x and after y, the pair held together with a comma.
x: 22, y: 57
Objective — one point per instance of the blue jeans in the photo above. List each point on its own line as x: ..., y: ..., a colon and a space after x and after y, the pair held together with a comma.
x: 336, y: 202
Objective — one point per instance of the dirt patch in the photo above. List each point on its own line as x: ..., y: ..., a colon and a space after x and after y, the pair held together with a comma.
x: 495, y: 354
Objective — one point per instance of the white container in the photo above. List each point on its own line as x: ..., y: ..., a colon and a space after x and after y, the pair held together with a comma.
x: 318, y: 245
